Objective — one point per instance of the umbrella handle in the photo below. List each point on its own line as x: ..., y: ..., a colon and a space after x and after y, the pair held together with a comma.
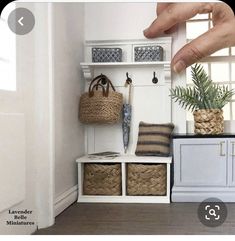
x: 128, y: 82
x: 129, y: 96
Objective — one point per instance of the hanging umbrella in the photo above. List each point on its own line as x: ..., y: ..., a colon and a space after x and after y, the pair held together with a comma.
x: 127, y: 116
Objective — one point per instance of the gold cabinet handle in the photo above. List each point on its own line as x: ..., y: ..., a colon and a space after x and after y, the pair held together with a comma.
x: 221, y: 148
x: 233, y: 148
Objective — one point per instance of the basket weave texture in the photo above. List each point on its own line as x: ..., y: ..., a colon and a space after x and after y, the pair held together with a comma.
x: 208, y: 121
x: 146, y: 179
x: 148, y: 53
x: 101, y: 104
x: 102, y: 179
x: 106, y: 54
x: 99, y: 109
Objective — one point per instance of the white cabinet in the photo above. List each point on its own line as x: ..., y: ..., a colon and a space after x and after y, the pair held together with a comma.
x: 204, y: 167
x: 199, y: 161
x: 231, y: 154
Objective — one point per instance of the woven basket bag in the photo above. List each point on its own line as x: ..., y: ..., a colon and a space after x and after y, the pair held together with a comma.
x: 146, y: 179
x: 208, y: 121
x: 102, y: 179
x: 100, y: 105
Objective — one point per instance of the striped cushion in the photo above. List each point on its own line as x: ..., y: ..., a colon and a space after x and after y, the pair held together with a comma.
x: 154, y: 139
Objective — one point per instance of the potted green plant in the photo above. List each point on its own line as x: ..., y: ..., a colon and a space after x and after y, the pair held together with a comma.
x: 205, y: 99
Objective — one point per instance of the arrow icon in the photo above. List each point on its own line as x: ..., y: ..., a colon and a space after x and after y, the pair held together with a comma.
x: 20, y: 21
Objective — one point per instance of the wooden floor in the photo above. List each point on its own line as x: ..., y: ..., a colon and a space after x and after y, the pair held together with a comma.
x: 174, y: 218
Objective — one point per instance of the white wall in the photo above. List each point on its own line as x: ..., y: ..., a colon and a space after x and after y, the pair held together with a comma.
x: 68, y: 29
x: 18, y: 107
x: 50, y: 55
x: 49, y: 77
x: 35, y: 101
x: 114, y: 21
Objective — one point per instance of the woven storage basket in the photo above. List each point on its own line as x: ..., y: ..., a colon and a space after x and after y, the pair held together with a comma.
x: 100, y: 106
x: 102, y: 179
x: 106, y: 54
x: 208, y: 121
x: 148, y: 53
x: 146, y: 179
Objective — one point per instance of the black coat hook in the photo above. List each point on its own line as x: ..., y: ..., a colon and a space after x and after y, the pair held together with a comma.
x: 128, y: 80
x: 103, y: 79
x: 155, y: 79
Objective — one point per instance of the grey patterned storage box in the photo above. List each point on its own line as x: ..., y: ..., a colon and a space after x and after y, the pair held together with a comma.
x: 106, y: 54
x: 148, y: 53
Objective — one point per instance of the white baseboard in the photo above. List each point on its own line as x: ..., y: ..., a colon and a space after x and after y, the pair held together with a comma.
x: 65, y: 200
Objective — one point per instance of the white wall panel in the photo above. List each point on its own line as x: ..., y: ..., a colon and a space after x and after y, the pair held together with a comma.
x: 68, y: 36
x: 12, y: 160
x: 118, y: 21
x: 108, y: 21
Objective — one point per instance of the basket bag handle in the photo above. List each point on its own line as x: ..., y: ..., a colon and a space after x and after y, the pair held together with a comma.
x: 109, y: 83
x: 91, y: 92
x: 99, y: 78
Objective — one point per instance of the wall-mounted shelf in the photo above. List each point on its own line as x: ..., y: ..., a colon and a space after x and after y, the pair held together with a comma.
x: 88, y: 68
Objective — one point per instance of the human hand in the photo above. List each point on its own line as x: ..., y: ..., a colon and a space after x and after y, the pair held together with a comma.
x: 222, y: 35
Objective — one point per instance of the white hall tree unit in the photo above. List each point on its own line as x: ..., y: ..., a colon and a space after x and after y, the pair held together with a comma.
x: 150, y: 102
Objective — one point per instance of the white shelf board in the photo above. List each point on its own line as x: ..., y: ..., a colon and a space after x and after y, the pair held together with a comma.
x: 88, y: 68
x: 127, y: 159
x: 120, y: 64
x: 123, y: 199
x: 143, y: 41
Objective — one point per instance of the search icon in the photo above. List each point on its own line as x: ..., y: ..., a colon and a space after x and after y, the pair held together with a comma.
x: 212, y: 212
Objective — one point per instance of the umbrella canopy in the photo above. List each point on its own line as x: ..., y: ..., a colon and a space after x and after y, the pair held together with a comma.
x: 126, y: 124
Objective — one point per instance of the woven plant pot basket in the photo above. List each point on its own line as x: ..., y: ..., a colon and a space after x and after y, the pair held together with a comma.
x: 208, y: 121
x: 102, y: 179
x: 146, y: 179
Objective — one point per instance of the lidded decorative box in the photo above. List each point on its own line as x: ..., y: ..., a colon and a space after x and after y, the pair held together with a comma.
x: 106, y: 54
x: 148, y: 53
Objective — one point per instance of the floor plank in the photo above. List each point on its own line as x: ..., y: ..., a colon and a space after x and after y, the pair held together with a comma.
x: 174, y: 218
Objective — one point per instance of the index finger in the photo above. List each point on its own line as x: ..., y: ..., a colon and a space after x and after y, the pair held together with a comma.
x: 175, y: 13
x: 161, y: 7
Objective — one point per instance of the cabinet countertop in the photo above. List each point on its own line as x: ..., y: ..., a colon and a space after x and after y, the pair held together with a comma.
x: 191, y: 135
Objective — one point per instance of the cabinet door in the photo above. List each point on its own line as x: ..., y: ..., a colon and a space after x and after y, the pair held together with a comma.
x: 200, y: 162
x: 231, y: 156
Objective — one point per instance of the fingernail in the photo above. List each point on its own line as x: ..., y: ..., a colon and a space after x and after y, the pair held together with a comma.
x: 179, y: 66
x: 145, y: 31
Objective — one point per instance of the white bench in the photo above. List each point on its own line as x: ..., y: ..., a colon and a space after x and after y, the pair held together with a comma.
x: 124, y: 198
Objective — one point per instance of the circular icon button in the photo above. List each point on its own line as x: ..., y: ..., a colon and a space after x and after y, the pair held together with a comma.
x: 212, y: 212
x: 21, y: 21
